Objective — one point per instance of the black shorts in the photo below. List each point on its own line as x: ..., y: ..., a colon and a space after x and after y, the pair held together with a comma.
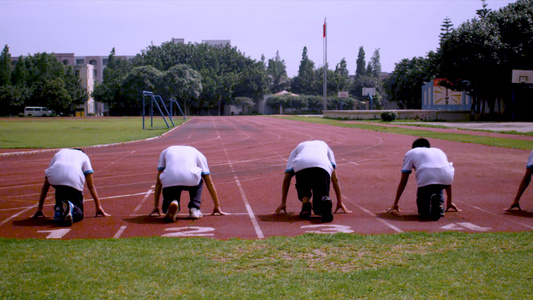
x: 423, y: 199
x: 172, y: 193
x: 312, y: 182
x: 66, y: 193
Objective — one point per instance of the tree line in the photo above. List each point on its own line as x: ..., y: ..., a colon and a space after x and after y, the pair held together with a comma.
x: 38, y: 80
x: 477, y: 57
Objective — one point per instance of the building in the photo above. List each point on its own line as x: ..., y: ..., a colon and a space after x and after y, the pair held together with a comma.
x: 90, y: 69
x: 217, y: 43
x: 437, y: 97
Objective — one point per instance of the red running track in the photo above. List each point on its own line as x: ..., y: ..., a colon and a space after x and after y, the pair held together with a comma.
x: 247, y: 157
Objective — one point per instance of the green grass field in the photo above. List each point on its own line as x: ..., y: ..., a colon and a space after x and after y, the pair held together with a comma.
x: 20, y: 133
x: 418, y: 131
x: 311, y: 266
x: 417, y: 265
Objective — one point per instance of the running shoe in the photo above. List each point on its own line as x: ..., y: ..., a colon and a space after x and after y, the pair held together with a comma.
x: 436, y: 209
x: 58, y: 213
x: 172, y: 212
x: 306, y: 210
x: 327, y: 215
x: 69, y: 208
x: 195, y: 213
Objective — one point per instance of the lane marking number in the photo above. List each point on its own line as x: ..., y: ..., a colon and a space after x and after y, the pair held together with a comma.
x: 189, y: 231
x: 56, y: 233
x: 465, y: 225
x: 327, y: 228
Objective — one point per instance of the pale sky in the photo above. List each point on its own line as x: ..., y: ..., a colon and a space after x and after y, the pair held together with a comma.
x: 399, y: 28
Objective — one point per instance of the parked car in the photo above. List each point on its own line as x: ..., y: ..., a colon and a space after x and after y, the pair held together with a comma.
x: 37, y: 111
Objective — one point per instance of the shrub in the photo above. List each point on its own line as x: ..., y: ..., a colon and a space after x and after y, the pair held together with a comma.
x: 388, y: 116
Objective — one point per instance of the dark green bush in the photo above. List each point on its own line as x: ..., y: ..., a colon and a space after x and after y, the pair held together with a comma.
x: 388, y: 116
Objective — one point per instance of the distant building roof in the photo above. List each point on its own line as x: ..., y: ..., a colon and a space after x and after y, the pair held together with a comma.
x: 285, y: 93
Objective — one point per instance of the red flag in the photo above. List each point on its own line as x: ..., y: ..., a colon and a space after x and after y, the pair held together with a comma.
x: 324, y: 28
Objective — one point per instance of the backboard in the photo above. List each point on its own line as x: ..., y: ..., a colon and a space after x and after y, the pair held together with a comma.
x: 522, y: 76
x: 368, y: 90
x: 343, y: 94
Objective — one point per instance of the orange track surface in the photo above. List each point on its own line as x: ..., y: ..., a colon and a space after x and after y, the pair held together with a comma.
x: 247, y: 157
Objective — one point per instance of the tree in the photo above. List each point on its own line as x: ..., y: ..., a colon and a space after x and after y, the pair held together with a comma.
x: 375, y: 62
x: 225, y: 71
x: 20, y: 73
x: 406, y: 82
x: 277, y: 73
x: 183, y: 83
x: 303, y: 83
x: 360, y: 63
x: 5, y: 67
x: 253, y: 82
x: 479, y: 56
x: 51, y: 92
x: 342, y: 76
x: 445, y: 29
x: 483, y: 12
x: 77, y: 93
x: 139, y: 79
x: 109, y: 91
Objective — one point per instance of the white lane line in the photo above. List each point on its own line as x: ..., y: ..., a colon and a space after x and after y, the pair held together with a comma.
x: 398, y: 230
x: 85, y: 200
x: 499, y: 215
x: 146, y: 195
x: 249, y: 210
x: 120, y: 231
x: 18, y: 214
x: 251, y: 214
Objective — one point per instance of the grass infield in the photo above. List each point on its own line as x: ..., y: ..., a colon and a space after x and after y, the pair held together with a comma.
x: 457, y: 137
x: 20, y: 133
x: 419, y: 265
x: 413, y: 265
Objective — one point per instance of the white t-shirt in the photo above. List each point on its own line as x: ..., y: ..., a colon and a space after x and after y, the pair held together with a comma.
x: 430, y: 164
x: 530, y: 161
x: 182, y: 166
x: 69, y: 167
x: 311, y: 154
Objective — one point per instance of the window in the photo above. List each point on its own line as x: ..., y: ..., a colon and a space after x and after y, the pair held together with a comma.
x: 106, y: 61
x: 93, y: 62
x: 80, y: 61
x: 65, y: 62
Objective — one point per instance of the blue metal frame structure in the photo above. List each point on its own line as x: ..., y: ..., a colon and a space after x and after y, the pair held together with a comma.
x: 153, y: 99
x: 157, y: 99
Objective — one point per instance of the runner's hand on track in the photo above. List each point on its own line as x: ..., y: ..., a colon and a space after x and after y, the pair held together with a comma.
x: 343, y: 207
x: 454, y: 207
x: 154, y: 211
x: 280, y: 208
x: 219, y: 211
x: 514, y: 205
x: 100, y: 211
x: 393, y: 210
x: 38, y: 213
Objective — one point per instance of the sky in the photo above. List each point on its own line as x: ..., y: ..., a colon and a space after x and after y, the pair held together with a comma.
x: 398, y: 28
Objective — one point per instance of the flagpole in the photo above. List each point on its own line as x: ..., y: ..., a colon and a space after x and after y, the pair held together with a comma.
x: 325, y: 86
